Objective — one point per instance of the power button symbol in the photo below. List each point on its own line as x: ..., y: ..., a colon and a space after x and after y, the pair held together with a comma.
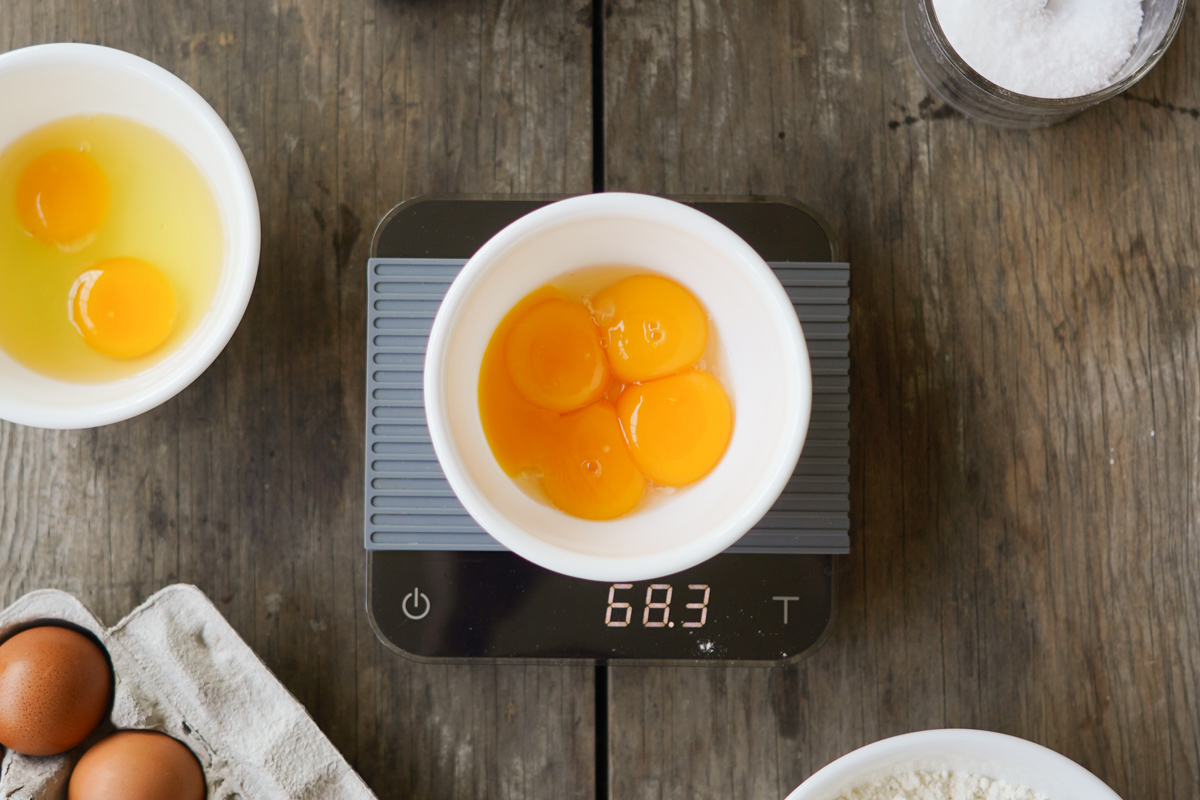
x: 417, y: 599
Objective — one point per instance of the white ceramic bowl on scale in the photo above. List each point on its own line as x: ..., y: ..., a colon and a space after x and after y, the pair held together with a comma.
x: 993, y: 755
x: 765, y: 370
x: 50, y: 82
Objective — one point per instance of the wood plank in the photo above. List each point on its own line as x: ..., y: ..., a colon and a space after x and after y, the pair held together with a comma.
x: 1025, y: 427
x: 249, y: 483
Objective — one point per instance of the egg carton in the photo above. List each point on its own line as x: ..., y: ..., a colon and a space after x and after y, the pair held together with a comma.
x: 182, y: 670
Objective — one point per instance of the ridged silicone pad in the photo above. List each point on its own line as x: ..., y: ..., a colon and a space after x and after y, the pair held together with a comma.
x: 410, y: 506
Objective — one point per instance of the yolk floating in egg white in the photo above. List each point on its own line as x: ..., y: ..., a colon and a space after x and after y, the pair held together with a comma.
x: 123, y: 307
x: 677, y: 427
x: 110, y: 248
x: 62, y: 196
x: 653, y: 325
x: 593, y: 407
x: 555, y: 358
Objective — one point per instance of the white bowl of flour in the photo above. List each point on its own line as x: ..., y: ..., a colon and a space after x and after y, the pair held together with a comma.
x: 953, y: 764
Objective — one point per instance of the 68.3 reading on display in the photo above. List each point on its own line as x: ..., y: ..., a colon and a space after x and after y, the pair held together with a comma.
x: 656, y: 613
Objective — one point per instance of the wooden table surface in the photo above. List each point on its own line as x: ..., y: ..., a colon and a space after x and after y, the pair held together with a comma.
x: 1026, y: 386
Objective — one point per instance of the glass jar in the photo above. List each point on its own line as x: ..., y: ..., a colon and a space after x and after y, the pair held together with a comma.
x: 960, y: 86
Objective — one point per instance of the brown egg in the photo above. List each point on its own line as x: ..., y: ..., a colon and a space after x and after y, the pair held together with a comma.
x: 137, y: 765
x: 54, y: 689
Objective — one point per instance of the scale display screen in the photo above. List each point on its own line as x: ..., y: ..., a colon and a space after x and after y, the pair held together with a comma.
x: 461, y: 605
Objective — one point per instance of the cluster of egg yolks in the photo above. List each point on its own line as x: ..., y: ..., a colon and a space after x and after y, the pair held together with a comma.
x: 122, y: 307
x: 594, y: 403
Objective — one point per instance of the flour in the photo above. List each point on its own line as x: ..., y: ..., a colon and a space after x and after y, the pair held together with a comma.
x: 940, y: 786
x: 1043, y: 48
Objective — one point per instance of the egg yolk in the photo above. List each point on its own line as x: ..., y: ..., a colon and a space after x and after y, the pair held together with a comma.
x: 61, y: 196
x: 677, y: 427
x: 519, y: 432
x: 654, y: 327
x: 590, y: 473
x: 554, y: 356
x: 123, y: 307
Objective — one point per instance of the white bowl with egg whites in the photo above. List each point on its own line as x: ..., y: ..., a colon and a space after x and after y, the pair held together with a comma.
x: 45, y: 83
x: 1028, y: 768
x: 765, y: 370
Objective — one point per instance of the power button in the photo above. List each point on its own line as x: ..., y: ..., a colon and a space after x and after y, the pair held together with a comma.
x: 416, y: 599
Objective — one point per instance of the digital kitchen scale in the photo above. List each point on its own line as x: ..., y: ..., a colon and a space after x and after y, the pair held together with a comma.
x: 439, y: 588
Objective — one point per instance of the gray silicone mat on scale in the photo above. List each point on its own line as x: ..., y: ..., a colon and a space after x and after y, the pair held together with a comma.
x: 410, y: 506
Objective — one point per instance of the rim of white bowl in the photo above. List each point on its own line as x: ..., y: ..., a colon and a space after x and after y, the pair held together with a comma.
x: 606, y: 568
x: 243, y: 268
x: 830, y: 781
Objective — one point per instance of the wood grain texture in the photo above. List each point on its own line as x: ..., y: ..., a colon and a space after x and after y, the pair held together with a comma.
x: 249, y: 483
x: 1025, y: 419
